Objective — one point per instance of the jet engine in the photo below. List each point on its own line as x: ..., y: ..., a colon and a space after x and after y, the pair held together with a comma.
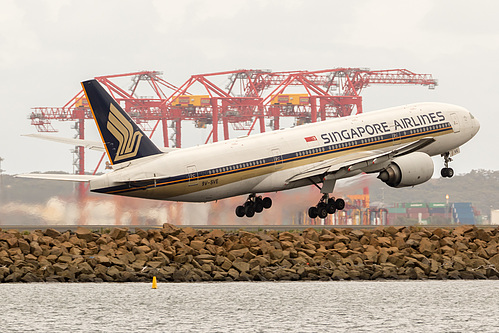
x: 408, y: 170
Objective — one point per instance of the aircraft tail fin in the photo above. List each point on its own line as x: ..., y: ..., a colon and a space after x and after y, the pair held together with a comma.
x: 123, y: 139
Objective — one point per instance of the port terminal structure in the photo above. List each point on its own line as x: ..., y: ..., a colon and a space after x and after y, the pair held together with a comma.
x: 245, y: 102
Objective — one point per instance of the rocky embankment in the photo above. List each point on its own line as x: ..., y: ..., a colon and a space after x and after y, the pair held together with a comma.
x: 186, y: 254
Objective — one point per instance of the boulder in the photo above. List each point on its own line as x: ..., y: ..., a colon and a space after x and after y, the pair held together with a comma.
x: 340, y: 275
x: 311, y: 234
x: 197, y: 245
x: 276, y: 254
x: 495, y: 261
x: 12, y: 241
x: 190, y: 232
x: 226, y: 264
x: 24, y: 246
x: 85, y: 268
x: 118, y: 233
x: 216, y: 233
x: 170, y: 229
x: 426, y: 247
x: 240, y: 252
x: 114, y: 273
x: 65, y: 259
x: 453, y: 275
x: 241, y: 266
x: 86, y: 234
x: 102, y: 260
x: 52, y: 233
x: 233, y: 273
x: 14, y: 277
x: 30, y: 277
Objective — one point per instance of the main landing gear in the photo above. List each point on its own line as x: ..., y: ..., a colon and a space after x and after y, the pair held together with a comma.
x: 253, y: 205
x: 326, y: 206
x: 447, y: 172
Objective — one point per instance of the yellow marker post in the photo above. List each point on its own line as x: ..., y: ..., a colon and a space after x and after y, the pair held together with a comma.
x: 154, y: 283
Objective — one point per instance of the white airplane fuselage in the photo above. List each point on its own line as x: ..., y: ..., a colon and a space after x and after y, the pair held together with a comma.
x: 268, y: 162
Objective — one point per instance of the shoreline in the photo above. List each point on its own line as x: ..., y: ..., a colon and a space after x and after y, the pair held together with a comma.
x: 185, y: 254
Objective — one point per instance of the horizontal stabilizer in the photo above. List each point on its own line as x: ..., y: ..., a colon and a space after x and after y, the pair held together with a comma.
x: 95, y: 145
x: 57, y: 176
x: 89, y: 144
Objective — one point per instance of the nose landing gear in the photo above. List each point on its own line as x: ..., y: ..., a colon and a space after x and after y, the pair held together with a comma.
x: 326, y: 206
x: 253, y: 205
x: 447, y: 172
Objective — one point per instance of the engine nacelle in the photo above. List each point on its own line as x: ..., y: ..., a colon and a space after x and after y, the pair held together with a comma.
x: 408, y: 170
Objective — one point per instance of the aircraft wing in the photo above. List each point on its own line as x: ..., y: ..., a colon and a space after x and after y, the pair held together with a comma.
x: 95, y: 145
x: 66, y: 177
x: 350, y: 165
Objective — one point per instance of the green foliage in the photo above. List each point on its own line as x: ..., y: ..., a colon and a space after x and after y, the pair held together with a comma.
x: 480, y: 187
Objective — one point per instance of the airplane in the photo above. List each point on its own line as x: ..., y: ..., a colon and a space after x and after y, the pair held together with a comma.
x: 396, y: 143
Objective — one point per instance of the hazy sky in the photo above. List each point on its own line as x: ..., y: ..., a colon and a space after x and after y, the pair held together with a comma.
x: 48, y: 47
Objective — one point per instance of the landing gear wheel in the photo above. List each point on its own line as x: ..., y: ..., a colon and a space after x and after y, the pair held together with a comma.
x: 253, y: 205
x: 267, y: 202
x: 240, y: 211
x: 450, y: 172
x: 447, y: 172
x: 331, y: 207
x: 312, y: 212
x: 250, y: 210
x: 322, y: 212
x: 340, y: 204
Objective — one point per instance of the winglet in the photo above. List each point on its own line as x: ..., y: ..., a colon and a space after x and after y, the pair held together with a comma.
x: 123, y: 139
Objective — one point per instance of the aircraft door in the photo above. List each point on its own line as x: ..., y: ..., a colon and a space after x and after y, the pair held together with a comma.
x: 276, y: 153
x: 455, y: 123
x: 192, y: 175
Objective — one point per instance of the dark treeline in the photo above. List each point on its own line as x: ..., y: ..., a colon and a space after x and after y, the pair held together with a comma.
x: 480, y: 187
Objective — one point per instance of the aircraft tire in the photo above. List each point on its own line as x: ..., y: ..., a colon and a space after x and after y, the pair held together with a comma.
x: 267, y: 202
x: 447, y: 172
x: 340, y: 204
x: 240, y: 211
x: 250, y: 210
x: 443, y: 172
x: 258, y: 207
x: 331, y: 207
x: 322, y: 211
x: 450, y: 172
x: 312, y: 212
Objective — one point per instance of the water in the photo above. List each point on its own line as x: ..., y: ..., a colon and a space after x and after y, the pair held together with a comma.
x: 378, y: 306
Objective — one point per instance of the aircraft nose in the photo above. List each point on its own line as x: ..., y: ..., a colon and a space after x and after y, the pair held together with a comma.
x: 476, y: 126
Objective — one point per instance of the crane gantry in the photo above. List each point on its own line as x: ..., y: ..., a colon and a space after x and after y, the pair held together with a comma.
x: 249, y: 98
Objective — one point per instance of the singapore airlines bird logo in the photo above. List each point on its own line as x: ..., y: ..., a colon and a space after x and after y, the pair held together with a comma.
x: 121, y: 128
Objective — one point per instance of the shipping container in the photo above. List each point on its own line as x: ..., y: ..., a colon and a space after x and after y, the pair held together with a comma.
x: 438, y: 211
x: 494, y: 217
x: 415, y: 205
x: 437, y: 205
x: 417, y: 210
x: 397, y: 211
x: 462, y: 213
